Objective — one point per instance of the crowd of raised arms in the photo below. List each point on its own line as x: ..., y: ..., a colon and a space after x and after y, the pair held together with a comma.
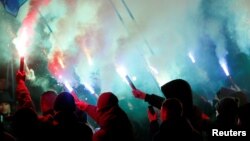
x: 172, y: 116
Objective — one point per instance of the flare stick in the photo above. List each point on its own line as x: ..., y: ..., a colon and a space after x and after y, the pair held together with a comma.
x: 131, y: 84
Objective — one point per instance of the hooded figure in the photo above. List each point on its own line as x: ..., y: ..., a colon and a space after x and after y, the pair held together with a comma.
x: 65, y: 103
x: 66, y: 123
x: 181, y: 90
x: 113, y: 121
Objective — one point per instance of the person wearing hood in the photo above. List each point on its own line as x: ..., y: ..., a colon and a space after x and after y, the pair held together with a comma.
x: 113, y: 121
x: 181, y: 90
x: 66, y: 124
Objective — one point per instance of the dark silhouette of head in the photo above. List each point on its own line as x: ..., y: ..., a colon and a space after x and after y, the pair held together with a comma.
x: 106, y: 100
x: 171, y: 108
x: 227, y: 107
x: 65, y: 103
x: 25, y: 122
x: 181, y: 90
x: 5, y: 97
x: 47, y: 101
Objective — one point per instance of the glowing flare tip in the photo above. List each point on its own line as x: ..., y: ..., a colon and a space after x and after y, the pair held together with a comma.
x: 68, y: 86
x: 92, y: 91
x: 224, y: 67
x: 191, y: 57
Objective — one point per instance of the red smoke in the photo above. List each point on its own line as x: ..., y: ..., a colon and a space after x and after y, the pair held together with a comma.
x: 30, y: 21
x: 54, y: 66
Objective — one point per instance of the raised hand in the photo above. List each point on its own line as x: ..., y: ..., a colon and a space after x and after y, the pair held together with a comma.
x: 138, y: 94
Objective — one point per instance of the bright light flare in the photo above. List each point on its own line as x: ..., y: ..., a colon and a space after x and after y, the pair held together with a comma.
x: 68, y: 86
x: 21, y: 42
x: 134, y: 78
x: 90, y: 88
x: 224, y: 66
x: 122, y: 72
x: 153, y: 69
x: 61, y: 62
x: 87, y: 53
x: 190, y: 55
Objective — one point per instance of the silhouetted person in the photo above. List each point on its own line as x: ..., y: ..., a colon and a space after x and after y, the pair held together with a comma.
x: 227, y: 117
x: 26, y: 125
x: 113, y: 121
x: 174, y: 126
x: 66, y: 123
x: 181, y: 90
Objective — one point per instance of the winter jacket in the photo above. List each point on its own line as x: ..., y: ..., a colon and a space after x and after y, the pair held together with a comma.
x: 114, y: 124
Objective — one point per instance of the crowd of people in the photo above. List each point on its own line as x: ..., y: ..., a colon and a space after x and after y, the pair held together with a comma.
x: 64, y: 116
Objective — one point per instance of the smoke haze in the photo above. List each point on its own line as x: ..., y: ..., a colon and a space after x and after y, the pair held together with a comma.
x: 151, y: 39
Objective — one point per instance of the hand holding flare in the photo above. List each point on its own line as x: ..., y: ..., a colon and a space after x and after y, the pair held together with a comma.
x: 21, y: 64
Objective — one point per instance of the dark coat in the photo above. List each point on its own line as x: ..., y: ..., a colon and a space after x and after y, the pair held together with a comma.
x: 176, y: 129
x: 198, y: 119
x: 114, y: 124
x: 67, y: 127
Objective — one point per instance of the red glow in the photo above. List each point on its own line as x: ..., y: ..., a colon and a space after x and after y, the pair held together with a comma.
x: 54, y: 64
x: 26, y: 31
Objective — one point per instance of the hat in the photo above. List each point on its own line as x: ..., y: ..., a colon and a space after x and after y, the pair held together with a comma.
x: 179, y: 89
x: 107, y: 100
x: 65, y: 102
x: 5, y: 97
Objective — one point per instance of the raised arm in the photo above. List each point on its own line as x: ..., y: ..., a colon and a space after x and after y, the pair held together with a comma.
x: 152, y: 99
x: 22, y: 92
x: 84, y: 106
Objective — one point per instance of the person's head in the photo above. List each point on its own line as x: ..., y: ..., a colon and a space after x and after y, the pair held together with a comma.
x: 171, y: 109
x: 5, y: 103
x: 181, y: 90
x: 106, y: 100
x: 24, y: 121
x: 47, y: 101
x: 64, y: 103
x: 227, y: 107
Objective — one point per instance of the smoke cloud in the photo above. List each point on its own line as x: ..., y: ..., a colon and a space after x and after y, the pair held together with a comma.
x: 90, y: 38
